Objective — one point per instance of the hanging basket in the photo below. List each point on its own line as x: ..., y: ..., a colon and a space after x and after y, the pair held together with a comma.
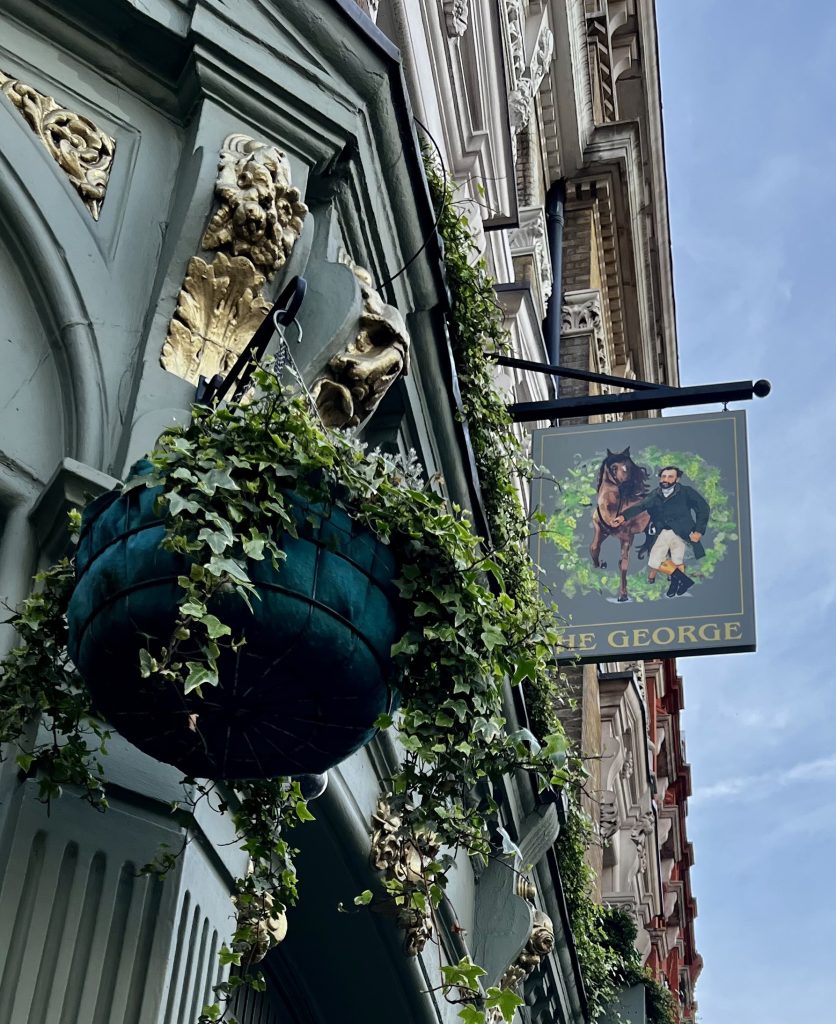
x: 299, y: 696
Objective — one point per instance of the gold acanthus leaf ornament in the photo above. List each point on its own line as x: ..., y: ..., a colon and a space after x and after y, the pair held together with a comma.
x: 218, y: 310
x: 260, y: 212
x: 83, y: 151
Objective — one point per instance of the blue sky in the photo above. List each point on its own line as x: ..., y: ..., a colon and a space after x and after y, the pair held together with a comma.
x: 750, y: 130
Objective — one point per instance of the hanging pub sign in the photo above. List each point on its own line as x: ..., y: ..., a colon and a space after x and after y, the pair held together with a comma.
x: 644, y: 541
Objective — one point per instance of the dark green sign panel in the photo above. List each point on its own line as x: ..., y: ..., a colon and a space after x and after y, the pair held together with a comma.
x: 646, y: 544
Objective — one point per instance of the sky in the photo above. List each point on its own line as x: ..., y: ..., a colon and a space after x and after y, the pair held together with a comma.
x: 749, y: 98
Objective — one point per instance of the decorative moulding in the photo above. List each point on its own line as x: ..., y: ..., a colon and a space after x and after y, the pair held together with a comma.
x: 530, y: 252
x: 72, y: 485
x: 81, y: 150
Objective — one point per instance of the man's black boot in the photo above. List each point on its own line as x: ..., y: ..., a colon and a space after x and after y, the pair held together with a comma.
x: 673, y: 589
x: 685, y: 583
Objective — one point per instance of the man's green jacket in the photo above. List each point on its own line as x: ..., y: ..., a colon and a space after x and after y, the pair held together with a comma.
x: 684, y: 512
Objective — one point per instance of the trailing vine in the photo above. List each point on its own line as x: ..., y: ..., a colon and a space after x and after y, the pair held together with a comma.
x: 476, y: 333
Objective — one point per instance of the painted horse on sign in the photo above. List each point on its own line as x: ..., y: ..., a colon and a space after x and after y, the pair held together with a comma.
x: 621, y: 484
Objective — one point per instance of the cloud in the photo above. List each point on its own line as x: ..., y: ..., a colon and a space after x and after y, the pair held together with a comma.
x: 764, y: 784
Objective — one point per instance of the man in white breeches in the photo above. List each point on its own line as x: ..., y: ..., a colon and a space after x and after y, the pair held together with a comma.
x: 668, y: 545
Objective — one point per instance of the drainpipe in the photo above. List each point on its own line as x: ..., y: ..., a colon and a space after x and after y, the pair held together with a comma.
x: 555, y: 202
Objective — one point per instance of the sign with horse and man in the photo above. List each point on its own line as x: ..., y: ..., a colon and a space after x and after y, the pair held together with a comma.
x: 643, y: 536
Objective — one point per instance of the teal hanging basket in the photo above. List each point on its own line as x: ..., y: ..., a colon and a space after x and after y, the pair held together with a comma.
x: 300, y: 695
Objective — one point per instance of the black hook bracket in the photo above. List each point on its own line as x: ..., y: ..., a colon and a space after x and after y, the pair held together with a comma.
x: 645, y: 395
x: 282, y: 314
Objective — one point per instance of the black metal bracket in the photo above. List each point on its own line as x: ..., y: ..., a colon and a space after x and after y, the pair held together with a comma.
x: 282, y: 314
x: 646, y: 395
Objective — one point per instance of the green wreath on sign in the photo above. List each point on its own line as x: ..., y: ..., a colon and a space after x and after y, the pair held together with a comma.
x: 569, y: 528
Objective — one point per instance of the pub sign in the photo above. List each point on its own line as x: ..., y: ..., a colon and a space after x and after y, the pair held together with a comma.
x: 644, y: 538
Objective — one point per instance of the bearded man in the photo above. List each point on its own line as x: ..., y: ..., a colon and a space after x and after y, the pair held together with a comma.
x: 680, y: 516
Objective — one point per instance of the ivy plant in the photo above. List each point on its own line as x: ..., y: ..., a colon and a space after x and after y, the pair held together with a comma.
x: 476, y: 335
x: 228, y: 480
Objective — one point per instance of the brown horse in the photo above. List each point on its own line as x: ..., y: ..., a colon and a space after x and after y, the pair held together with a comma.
x: 621, y: 484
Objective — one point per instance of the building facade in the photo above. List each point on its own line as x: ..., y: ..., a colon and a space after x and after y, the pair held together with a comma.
x: 166, y: 167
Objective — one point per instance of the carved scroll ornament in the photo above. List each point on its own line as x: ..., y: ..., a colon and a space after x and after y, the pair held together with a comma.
x: 530, y: 80
x: 402, y: 857
x: 81, y: 150
x: 260, y: 213
x: 356, y: 379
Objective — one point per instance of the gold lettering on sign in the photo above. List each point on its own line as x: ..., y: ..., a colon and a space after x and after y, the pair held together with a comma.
x: 83, y: 151
x: 664, y: 636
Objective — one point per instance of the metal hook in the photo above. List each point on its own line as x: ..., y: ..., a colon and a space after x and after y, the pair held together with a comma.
x: 282, y: 314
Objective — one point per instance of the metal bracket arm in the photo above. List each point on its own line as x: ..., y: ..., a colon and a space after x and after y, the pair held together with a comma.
x: 651, y: 398
x: 565, y: 371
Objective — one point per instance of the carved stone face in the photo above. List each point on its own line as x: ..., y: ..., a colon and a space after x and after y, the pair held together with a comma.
x: 457, y: 13
x: 260, y: 213
x: 254, y: 207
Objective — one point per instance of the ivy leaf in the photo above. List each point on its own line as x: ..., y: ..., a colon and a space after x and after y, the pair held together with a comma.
x: 505, y: 1000
x: 217, y: 566
x: 526, y: 736
x: 226, y: 956
x: 493, y: 637
x: 556, y: 747
x: 178, y: 504
x: 198, y: 675
x: 254, y: 548
x: 216, y: 478
x: 147, y: 664
x: 214, y: 627
x: 302, y: 812
x: 406, y: 645
x: 470, y: 1015
x: 364, y: 899
x: 194, y: 609
x: 464, y: 974
x: 526, y: 669
x: 217, y: 540
x: 508, y: 844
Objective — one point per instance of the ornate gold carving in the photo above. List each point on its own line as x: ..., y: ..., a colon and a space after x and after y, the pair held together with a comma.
x: 218, y: 310
x: 356, y: 379
x: 81, y: 150
x: 257, y: 222
x: 260, y: 213
x: 402, y: 857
